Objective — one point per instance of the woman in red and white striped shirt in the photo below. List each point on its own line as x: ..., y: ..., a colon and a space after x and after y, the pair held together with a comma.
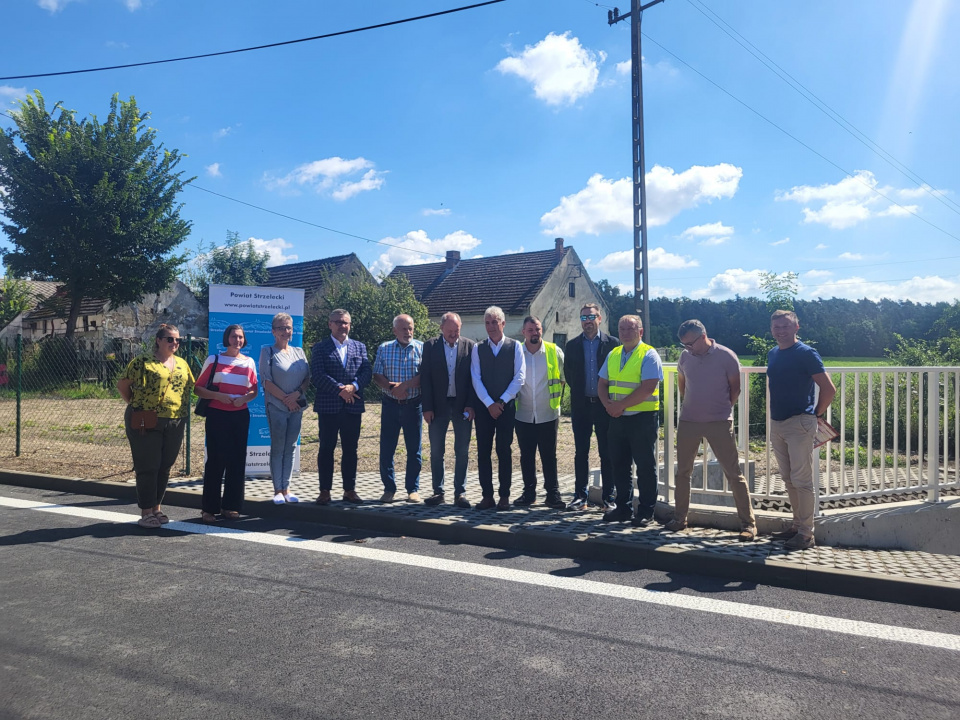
x: 227, y: 423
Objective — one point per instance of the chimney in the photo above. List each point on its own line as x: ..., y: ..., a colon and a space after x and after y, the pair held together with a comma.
x: 453, y: 259
x: 559, y: 246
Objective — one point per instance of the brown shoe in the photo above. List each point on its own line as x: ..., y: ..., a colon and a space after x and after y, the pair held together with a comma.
x: 461, y: 501
x: 323, y: 498
x: 676, y: 525
x: 504, y: 503
x: 436, y: 499
x: 748, y: 534
x: 784, y: 534
x: 486, y: 503
x: 351, y: 496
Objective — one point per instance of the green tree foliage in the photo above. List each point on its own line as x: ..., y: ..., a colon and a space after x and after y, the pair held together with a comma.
x: 235, y: 263
x: 15, y: 298
x: 372, y: 309
x: 780, y: 290
x: 618, y: 304
x: 92, y: 205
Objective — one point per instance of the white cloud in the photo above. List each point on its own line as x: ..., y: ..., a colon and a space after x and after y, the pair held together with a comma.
x: 712, y: 242
x: 331, y: 175
x: 416, y: 248
x: 713, y: 233
x: 607, y: 205
x: 849, y: 202
x: 625, y: 67
x: 275, y: 247
x: 849, y: 256
x: 668, y: 292
x: 560, y: 69
x: 929, y: 289
x: 9, y: 94
x: 658, y: 258
x: 624, y: 288
x: 223, y: 132
x: 427, y: 212
x: 735, y: 281
x: 821, y: 246
x: 513, y: 252
x: 817, y: 274
x: 780, y: 242
x: 213, y: 170
x: 53, y: 5
x: 133, y: 5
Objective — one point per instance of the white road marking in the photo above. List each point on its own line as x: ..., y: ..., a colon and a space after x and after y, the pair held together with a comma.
x: 720, y: 607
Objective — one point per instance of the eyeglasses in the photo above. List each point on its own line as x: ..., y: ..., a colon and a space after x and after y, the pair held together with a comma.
x: 691, y: 344
x: 584, y: 318
x: 170, y: 340
x: 285, y: 328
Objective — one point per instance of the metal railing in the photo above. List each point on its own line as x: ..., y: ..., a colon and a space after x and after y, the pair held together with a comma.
x: 898, y: 437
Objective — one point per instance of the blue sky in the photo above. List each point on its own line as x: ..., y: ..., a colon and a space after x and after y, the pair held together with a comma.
x: 497, y: 129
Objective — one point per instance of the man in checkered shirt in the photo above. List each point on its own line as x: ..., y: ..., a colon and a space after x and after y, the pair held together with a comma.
x: 396, y: 371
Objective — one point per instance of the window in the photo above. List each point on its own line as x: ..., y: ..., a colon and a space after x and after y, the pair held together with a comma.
x: 573, y: 289
x: 560, y: 339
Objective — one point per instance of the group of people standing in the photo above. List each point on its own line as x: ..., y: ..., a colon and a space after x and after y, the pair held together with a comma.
x: 501, y: 387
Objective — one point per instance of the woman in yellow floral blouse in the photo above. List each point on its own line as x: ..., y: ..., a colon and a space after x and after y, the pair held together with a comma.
x: 158, y: 381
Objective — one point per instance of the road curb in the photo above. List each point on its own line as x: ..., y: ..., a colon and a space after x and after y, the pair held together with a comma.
x: 635, y: 553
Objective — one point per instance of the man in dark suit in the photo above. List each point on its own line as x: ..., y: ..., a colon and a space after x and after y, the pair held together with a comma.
x: 340, y: 371
x: 584, y: 355
x: 448, y: 398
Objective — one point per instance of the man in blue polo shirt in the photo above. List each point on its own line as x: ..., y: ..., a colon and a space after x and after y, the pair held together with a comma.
x: 794, y: 371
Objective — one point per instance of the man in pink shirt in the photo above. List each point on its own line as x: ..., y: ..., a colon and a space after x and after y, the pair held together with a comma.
x: 709, y: 382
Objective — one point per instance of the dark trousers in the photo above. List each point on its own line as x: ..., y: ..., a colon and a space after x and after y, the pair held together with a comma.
x: 346, y: 427
x: 394, y: 417
x: 592, y: 417
x: 226, y: 464
x: 542, y: 438
x: 445, y: 414
x: 154, y: 453
x: 500, y: 429
x: 633, y: 439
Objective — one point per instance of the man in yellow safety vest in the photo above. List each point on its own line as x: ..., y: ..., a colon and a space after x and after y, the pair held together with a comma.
x: 629, y: 389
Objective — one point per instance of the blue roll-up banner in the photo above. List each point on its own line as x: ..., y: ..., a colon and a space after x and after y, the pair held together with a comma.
x: 253, y: 308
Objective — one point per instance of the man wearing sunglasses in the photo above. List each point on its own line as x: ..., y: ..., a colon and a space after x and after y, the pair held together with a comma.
x: 708, y: 377
x: 584, y: 356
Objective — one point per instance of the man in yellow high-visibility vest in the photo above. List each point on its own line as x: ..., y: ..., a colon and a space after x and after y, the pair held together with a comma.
x: 538, y: 414
x: 629, y: 388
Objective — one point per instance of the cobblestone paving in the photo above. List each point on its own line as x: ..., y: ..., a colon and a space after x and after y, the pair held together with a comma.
x: 588, y: 524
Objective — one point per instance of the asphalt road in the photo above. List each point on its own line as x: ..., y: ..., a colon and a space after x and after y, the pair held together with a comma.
x: 101, y: 619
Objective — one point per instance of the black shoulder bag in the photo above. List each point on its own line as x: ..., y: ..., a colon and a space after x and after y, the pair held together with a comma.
x: 203, y: 404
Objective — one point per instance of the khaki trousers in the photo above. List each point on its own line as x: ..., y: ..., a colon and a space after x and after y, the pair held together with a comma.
x: 792, y: 442
x: 720, y: 436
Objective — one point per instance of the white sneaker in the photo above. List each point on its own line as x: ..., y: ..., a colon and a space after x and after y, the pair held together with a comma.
x: 278, y: 499
x: 413, y: 497
x: 290, y: 497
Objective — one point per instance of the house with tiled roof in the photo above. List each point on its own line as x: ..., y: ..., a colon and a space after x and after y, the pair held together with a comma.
x: 551, y: 284
x: 309, y: 276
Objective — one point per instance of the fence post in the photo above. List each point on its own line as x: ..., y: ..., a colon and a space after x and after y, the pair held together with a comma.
x: 933, y: 444
x: 189, y: 401
x: 19, y: 384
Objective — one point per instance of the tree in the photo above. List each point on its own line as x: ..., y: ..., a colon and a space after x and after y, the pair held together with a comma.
x: 780, y: 290
x: 15, y: 298
x: 236, y: 263
x: 372, y: 309
x: 90, y: 204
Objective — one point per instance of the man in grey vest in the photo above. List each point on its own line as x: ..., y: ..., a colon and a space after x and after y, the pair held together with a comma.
x: 496, y: 368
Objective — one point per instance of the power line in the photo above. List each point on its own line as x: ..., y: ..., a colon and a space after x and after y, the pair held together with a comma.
x: 256, y: 47
x: 801, y: 142
x: 822, y: 106
x: 275, y: 212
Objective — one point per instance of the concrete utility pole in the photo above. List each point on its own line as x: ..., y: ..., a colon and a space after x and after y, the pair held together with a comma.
x: 641, y: 274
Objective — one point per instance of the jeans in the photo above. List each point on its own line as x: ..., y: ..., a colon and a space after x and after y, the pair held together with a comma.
x: 792, y: 441
x: 542, y: 437
x: 584, y: 421
x: 500, y: 430
x: 633, y: 439
x: 284, y: 433
x: 346, y: 426
x: 394, y: 417
x: 720, y: 436
x: 226, y: 459
x: 154, y: 453
x: 443, y: 416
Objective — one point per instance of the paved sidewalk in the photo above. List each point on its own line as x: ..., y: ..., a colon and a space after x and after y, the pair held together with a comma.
x: 893, y: 575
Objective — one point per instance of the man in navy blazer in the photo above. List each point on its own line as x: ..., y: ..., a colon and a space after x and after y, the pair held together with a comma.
x: 448, y: 398
x: 584, y: 355
x: 340, y: 371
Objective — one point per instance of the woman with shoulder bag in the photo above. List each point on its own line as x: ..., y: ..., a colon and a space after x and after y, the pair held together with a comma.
x: 233, y: 385
x: 286, y: 376
x: 156, y: 387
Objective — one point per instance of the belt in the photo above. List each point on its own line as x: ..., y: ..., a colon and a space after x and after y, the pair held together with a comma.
x: 592, y: 399
x: 408, y: 401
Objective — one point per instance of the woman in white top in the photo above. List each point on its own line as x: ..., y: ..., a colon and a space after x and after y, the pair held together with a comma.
x: 227, y: 423
x: 286, y: 377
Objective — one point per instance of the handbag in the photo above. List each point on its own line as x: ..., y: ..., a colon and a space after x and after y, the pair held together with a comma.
x: 143, y: 420
x: 203, y: 404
